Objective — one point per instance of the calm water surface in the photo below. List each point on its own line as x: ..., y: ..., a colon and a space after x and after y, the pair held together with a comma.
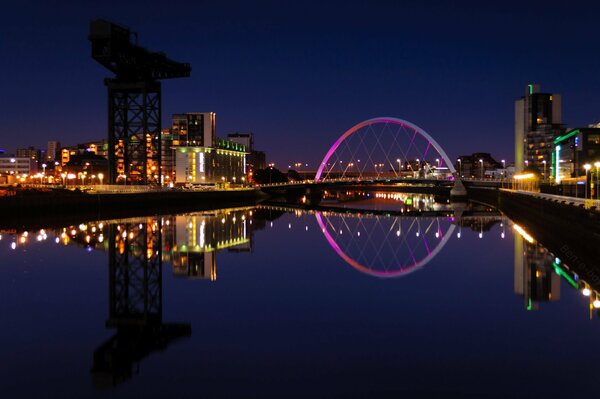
x: 404, y: 297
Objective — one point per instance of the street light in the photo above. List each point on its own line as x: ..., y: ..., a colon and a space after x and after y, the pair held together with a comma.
x: 100, y: 177
x: 481, y: 162
x: 544, y: 162
x: 597, y: 165
x: 459, y: 167
x: 587, y: 167
x: 399, y: 166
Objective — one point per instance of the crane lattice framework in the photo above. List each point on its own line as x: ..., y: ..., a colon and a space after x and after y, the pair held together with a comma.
x: 134, y: 101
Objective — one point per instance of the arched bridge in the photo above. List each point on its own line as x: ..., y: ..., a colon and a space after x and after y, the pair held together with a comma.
x: 379, y: 151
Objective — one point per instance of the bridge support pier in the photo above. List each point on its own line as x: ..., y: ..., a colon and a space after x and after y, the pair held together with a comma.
x: 458, y: 192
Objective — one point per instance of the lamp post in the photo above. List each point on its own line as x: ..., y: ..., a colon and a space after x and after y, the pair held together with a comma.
x: 399, y: 166
x: 459, y: 167
x: 544, y: 162
x: 481, y: 163
x: 597, y: 165
x: 587, y: 167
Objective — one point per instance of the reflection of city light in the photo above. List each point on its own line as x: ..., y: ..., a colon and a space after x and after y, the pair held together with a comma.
x: 502, y: 235
x: 458, y: 235
x: 57, y: 240
x: 22, y: 240
x: 523, y: 233
x: 289, y: 225
x: 480, y: 235
x: 13, y: 245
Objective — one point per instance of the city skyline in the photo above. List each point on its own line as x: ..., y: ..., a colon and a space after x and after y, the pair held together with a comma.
x: 299, y: 76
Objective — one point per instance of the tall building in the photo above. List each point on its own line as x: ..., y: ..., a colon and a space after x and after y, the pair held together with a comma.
x: 199, y: 157
x: 194, y: 129
x: 538, y: 121
x: 576, y: 148
x: 53, y: 151
x: 31, y: 153
x: 254, y: 159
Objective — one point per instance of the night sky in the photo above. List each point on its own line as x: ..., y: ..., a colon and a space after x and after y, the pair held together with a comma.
x: 299, y: 75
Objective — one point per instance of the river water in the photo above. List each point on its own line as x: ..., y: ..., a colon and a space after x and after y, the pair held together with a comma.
x: 370, y: 295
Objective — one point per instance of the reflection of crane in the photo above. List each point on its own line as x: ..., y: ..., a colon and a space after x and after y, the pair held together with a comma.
x: 135, y: 296
x: 134, y: 98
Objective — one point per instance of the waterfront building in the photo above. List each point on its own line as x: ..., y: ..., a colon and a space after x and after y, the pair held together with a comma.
x: 478, y: 165
x: 572, y: 151
x: 167, y: 156
x: 199, y: 156
x: 29, y: 152
x: 53, y: 151
x: 223, y: 163
x: 254, y: 159
x: 18, y: 166
x: 538, y: 121
x: 194, y: 129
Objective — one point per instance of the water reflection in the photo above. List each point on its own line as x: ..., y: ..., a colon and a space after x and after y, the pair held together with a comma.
x: 385, y: 235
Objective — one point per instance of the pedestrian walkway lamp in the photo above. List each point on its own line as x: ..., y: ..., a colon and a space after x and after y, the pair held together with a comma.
x: 544, y: 162
x: 481, y: 162
x: 597, y: 165
x: 587, y: 167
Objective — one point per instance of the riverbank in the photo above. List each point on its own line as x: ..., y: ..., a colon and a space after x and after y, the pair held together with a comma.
x: 27, y: 207
x: 569, y: 231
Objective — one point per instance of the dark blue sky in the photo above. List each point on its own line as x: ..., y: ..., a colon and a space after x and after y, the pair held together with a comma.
x: 299, y: 75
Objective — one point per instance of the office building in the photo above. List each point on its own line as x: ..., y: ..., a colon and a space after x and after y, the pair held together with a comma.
x: 18, y: 166
x: 572, y: 151
x: 30, y: 152
x: 53, y: 151
x: 478, y: 165
x: 254, y: 159
x: 194, y: 129
x: 538, y: 121
x: 199, y: 156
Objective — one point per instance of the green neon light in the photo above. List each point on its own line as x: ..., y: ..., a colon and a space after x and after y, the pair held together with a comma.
x: 529, y: 305
x: 530, y: 89
x: 564, y: 275
x: 566, y: 136
x: 556, y: 162
x: 409, y: 201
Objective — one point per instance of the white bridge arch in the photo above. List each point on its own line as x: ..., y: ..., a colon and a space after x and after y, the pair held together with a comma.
x: 411, y: 131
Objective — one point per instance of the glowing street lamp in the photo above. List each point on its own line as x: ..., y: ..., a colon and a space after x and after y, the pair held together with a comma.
x: 100, y: 177
x: 597, y: 165
x: 587, y: 168
x: 544, y: 162
x: 459, y: 167
x: 481, y: 162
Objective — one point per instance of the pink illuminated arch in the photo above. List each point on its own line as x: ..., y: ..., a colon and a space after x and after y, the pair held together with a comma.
x: 398, y: 270
x: 388, y: 120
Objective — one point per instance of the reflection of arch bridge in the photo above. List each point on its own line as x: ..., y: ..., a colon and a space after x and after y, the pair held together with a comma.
x: 379, y: 150
x: 389, y: 243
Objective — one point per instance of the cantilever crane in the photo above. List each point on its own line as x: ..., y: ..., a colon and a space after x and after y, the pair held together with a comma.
x: 134, y: 101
